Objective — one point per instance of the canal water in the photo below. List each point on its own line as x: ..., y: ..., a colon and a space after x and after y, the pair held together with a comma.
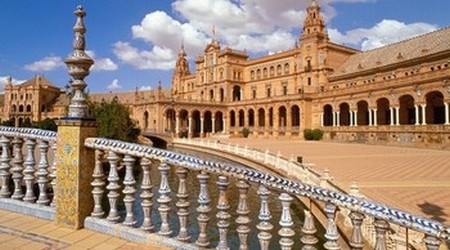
x: 297, y: 207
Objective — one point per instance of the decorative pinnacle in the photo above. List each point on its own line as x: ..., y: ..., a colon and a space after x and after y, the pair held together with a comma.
x: 78, y: 63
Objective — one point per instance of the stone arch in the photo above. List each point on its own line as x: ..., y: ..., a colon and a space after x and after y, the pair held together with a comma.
x: 14, y: 108
x: 218, y: 122
x: 28, y: 108
x: 20, y: 108
x: 232, y: 118
x: 236, y: 93
x: 328, y: 115
x: 344, y: 115
x: 207, y: 122
x: 363, y: 113
x: 241, y: 118
x: 282, y: 116
x: 171, y: 120
x: 383, y: 111
x: 145, y: 119
x: 261, y: 117
x: 195, y: 126
x: 222, y: 94
x: 407, y: 110
x: 435, y: 109
x: 184, y: 123
x: 251, y: 118
x: 295, y: 116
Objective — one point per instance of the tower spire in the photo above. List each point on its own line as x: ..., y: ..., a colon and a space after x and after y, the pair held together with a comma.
x: 78, y: 63
x: 313, y: 25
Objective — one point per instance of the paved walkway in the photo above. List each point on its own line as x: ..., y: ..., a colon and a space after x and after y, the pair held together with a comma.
x: 411, y: 179
x: 28, y: 233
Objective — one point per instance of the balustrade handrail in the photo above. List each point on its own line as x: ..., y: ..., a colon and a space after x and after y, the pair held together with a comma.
x: 356, y: 204
x: 29, y: 133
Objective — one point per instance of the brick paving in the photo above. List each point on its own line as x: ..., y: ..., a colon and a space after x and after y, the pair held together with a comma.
x: 411, y: 179
x: 29, y: 233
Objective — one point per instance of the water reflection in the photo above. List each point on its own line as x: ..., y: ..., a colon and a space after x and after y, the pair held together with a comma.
x: 233, y: 198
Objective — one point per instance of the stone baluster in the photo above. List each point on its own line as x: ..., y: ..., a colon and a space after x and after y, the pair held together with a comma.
x: 222, y: 215
x: 432, y: 243
x: 5, y: 192
x: 164, y: 199
x: 113, y: 187
x: 286, y: 222
x: 52, y: 174
x: 98, y: 185
x: 331, y: 234
x: 243, y: 210
x: 42, y: 174
x: 309, y: 231
x: 146, y: 195
x: 356, y: 239
x: 29, y: 170
x: 183, y: 204
x: 264, y: 216
x: 17, y: 169
x: 129, y: 191
x: 203, y: 210
x: 381, y: 226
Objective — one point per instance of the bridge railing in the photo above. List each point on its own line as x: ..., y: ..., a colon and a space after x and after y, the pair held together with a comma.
x: 27, y: 176
x: 125, y: 190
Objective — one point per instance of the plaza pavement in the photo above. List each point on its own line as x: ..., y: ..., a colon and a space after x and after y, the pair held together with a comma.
x: 29, y: 233
x: 412, y: 179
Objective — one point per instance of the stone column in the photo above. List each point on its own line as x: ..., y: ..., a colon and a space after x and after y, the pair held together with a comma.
x: 424, y: 114
x: 351, y: 118
x: 190, y: 127
x: 225, y: 125
x: 375, y: 117
x: 334, y: 119
x: 213, y: 121
x: 276, y: 123
x: 338, y: 120
x: 356, y: 118
x: 392, y: 115
x: 266, y: 123
x: 370, y: 117
x: 447, y: 122
x: 416, y: 108
x: 321, y: 119
x: 288, y: 123
x: 177, y: 126
x: 75, y: 161
x: 202, y: 126
x: 397, y: 115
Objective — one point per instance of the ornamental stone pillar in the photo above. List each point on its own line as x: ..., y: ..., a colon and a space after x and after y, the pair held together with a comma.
x: 397, y: 116
x: 391, y: 109
x: 75, y: 162
x: 424, y: 114
x: 447, y: 122
x: 416, y: 109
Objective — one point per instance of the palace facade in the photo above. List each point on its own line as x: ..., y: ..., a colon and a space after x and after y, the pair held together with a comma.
x: 398, y: 93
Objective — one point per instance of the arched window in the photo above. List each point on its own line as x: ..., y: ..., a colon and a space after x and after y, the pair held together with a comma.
x: 252, y: 75
x: 286, y: 68
x: 265, y: 72
x: 258, y: 74
x: 279, y: 70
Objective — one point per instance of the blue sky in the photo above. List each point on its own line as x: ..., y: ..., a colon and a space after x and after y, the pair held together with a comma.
x: 135, y: 42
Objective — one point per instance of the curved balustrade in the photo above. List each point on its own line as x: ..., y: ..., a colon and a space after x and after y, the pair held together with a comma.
x: 19, y: 172
x: 129, y: 152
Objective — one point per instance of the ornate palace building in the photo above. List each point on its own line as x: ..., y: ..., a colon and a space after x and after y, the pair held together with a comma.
x: 398, y: 93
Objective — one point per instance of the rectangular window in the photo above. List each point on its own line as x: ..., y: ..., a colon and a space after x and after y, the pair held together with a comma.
x: 309, y: 81
x: 268, y: 92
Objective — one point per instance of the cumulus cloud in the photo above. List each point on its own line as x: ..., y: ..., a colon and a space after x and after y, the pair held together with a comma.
x: 381, y: 34
x: 47, y: 63
x: 114, y: 85
x: 257, y: 26
x: 100, y: 64
x: 4, y: 80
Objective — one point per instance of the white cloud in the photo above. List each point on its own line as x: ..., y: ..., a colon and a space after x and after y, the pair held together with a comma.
x: 48, y: 63
x: 157, y: 58
x: 114, y: 85
x: 102, y: 63
x: 4, y: 80
x: 146, y: 88
x: 381, y: 34
x: 257, y: 26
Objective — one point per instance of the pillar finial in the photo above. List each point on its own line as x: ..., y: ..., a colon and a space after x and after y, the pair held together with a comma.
x: 78, y: 63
